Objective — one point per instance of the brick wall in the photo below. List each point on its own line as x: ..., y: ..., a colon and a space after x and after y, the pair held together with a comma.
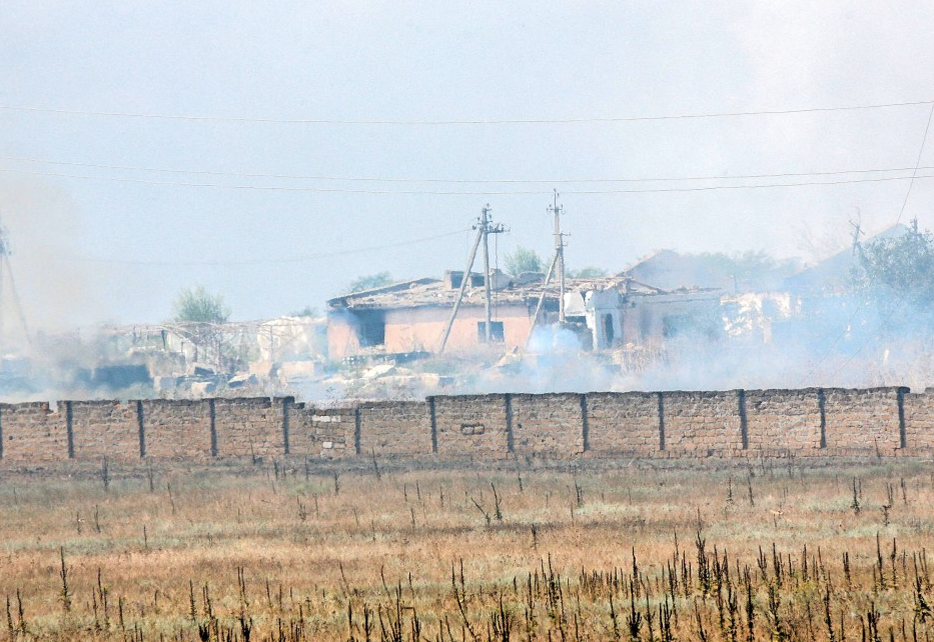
x: 472, y: 425
x: 249, y: 427
x: 105, y: 429
x: 395, y: 428
x: 177, y: 429
x: 334, y: 432
x: 919, y: 420
x: 809, y: 421
x: 863, y: 419
x: 548, y: 424
x: 783, y: 419
x: 623, y: 422
x: 32, y: 432
x: 301, y: 429
x: 702, y: 422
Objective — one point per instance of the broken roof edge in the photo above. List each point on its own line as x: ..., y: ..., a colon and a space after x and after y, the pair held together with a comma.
x: 440, y: 305
x: 383, y: 289
x: 648, y: 257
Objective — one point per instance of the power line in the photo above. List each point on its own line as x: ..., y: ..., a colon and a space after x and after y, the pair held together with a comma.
x: 248, y: 262
x: 287, y: 188
x: 376, y: 179
x: 898, y: 219
x: 413, y: 122
x: 917, y: 163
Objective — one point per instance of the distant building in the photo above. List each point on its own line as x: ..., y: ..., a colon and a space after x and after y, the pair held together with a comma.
x: 410, y: 316
x: 671, y: 270
x: 668, y: 270
x: 173, y: 348
x: 606, y: 312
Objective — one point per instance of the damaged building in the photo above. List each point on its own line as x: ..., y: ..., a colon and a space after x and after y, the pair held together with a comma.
x: 410, y: 317
x: 622, y: 312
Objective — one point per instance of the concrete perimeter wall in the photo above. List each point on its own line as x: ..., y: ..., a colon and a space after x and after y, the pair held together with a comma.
x: 743, y: 423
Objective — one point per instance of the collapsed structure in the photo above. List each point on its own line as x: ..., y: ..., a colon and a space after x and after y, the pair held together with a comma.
x: 410, y: 317
x: 663, y: 305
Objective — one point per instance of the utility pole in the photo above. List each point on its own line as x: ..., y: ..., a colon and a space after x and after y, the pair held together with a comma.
x: 465, y: 278
x: 541, y: 299
x: 484, y: 227
x: 857, y: 232
x: 487, y: 228
x: 10, y: 284
x: 557, y: 265
x: 558, y: 210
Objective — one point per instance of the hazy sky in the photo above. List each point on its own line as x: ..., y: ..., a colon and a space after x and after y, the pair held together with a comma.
x: 97, y: 243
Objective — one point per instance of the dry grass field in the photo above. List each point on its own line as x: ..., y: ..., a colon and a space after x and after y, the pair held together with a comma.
x: 294, y: 550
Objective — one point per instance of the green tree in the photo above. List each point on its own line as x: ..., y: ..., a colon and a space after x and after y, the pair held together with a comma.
x: 197, y: 305
x: 370, y: 281
x: 307, y: 311
x: 750, y: 266
x: 898, y: 270
x: 586, y: 273
x: 523, y: 260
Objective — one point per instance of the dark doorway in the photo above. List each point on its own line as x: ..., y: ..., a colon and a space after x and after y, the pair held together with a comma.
x: 372, y: 328
x: 608, y: 329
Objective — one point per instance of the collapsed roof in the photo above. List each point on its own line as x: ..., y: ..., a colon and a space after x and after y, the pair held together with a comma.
x: 515, y: 290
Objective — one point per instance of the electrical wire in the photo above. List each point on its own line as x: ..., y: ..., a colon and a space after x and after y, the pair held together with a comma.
x: 898, y: 219
x: 336, y: 190
x: 375, y: 179
x: 267, y: 261
x: 917, y: 164
x: 445, y: 122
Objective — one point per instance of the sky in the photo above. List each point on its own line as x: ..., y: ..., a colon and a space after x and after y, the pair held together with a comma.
x: 273, y: 152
